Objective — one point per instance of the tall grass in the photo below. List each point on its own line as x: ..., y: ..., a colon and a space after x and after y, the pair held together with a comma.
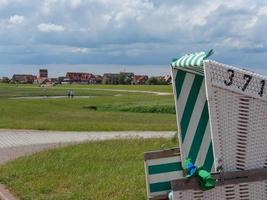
x: 157, y: 108
x: 112, y: 170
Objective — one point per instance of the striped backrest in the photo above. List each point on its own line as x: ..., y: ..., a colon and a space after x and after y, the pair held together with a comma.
x: 238, y: 113
x: 161, y: 167
x: 193, y: 116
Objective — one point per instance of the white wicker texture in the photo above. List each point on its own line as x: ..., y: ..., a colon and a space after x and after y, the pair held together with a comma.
x: 221, y: 75
x: 243, y: 191
x: 238, y: 117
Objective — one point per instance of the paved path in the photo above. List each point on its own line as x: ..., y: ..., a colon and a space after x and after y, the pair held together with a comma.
x: 16, y: 143
x: 12, y: 153
x: 133, y: 91
x: 52, y: 97
x: 5, y: 194
x: 16, y: 138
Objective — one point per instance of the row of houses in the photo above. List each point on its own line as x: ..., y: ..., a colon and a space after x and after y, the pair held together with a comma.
x: 124, y: 78
x: 107, y: 78
x: 23, y: 78
x: 86, y: 78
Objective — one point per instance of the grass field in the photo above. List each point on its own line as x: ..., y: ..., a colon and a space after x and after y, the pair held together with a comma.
x: 111, y: 170
x: 106, y: 110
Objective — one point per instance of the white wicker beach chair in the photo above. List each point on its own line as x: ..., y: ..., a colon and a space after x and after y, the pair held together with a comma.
x: 222, y: 120
x: 221, y: 114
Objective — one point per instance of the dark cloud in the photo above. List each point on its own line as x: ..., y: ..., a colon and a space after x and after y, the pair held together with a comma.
x: 131, y: 32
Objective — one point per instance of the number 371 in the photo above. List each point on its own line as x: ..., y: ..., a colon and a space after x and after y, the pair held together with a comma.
x: 247, y: 79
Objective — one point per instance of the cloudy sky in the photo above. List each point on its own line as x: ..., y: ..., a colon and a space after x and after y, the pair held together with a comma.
x: 130, y: 33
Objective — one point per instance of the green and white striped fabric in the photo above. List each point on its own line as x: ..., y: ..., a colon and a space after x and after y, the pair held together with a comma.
x: 192, y: 60
x: 193, y: 116
x: 160, y: 171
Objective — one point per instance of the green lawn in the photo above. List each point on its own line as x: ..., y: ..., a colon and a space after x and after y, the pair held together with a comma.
x: 157, y: 88
x: 114, y: 110
x: 16, y: 90
x: 111, y: 170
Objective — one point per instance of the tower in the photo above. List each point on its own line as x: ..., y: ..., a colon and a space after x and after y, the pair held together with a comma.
x: 43, y: 73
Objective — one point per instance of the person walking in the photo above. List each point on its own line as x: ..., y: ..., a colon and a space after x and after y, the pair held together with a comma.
x: 71, y: 94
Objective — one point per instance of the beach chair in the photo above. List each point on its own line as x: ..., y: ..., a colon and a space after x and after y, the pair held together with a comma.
x: 221, y: 114
x: 161, y: 167
x: 192, y: 111
x: 189, y: 89
x: 222, y: 126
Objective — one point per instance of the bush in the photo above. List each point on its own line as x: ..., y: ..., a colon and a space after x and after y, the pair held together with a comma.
x: 155, y: 81
x: 167, y: 109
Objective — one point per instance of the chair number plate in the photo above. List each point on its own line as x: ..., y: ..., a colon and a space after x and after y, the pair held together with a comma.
x: 237, y: 80
x: 247, y: 78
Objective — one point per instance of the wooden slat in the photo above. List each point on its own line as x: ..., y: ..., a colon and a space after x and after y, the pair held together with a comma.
x: 161, y: 154
x: 223, y: 179
x: 161, y: 197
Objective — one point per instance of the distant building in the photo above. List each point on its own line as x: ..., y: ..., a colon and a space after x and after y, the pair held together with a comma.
x: 65, y: 81
x: 163, y: 80
x: 43, y: 73
x: 40, y: 81
x: 61, y: 79
x: 98, y: 79
x: 139, y: 79
x: 5, y: 80
x: 23, y: 78
x: 77, y: 77
x: 46, y: 82
x: 54, y: 80
x: 160, y: 78
x: 125, y: 78
x: 128, y: 74
x: 109, y: 78
x: 168, y: 79
x: 42, y: 78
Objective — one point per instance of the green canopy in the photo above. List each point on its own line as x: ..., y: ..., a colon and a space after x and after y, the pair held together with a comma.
x: 192, y: 61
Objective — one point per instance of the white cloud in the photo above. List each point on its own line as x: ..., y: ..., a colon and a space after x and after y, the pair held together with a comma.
x: 50, y: 28
x: 16, y: 20
x: 12, y: 22
x: 49, y: 6
x: 79, y: 50
x: 3, y: 3
x: 75, y: 3
x: 263, y: 11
